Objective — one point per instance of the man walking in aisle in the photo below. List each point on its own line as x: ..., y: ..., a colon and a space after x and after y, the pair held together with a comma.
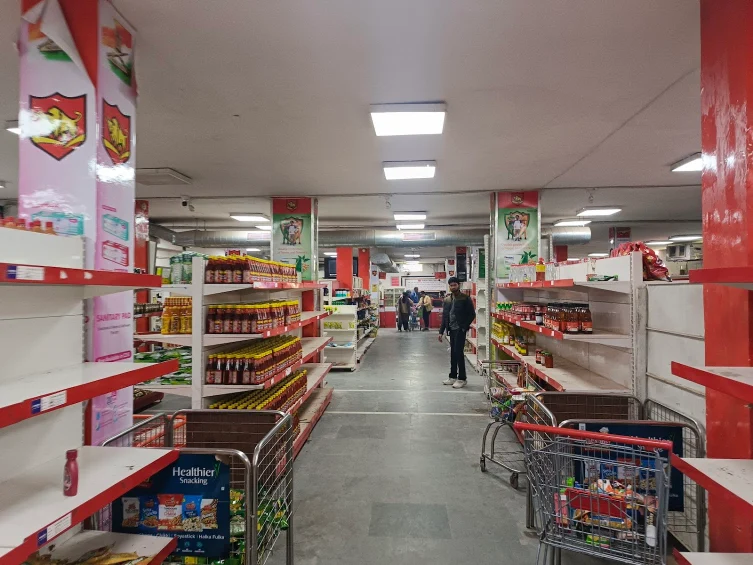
x: 457, y: 316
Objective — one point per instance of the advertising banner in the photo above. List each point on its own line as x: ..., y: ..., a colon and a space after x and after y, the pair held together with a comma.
x: 189, y: 500
x: 293, y: 237
x: 517, y: 237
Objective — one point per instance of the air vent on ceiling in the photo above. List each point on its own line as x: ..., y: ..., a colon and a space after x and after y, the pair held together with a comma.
x: 161, y: 177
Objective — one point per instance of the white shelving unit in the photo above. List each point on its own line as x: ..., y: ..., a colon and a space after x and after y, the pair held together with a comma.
x: 613, y: 357
x: 42, y: 385
x: 341, y: 352
x: 204, y: 344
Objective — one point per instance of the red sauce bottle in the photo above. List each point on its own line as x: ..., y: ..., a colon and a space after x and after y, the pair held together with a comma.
x: 70, y: 473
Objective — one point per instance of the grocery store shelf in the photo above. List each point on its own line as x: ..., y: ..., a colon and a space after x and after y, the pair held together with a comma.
x: 472, y: 340
x: 366, y: 334
x: 310, y: 415
x: 148, y: 315
x: 472, y: 359
x: 363, y: 348
x: 33, y: 509
x: 156, y: 547
x: 27, y: 396
x: 178, y: 390
x: 94, y: 283
x: 212, y: 289
x: 565, y: 376
x: 597, y: 336
x: 713, y: 558
x: 313, y: 345
x: 739, y: 277
x: 735, y: 381
x: 730, y: 479
x: 316, y: 373
x: 177, y: 339
x: 569, y: 284
x: 179, y: 289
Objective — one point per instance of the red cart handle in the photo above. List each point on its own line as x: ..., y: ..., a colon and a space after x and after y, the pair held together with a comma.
x: 577, y: 434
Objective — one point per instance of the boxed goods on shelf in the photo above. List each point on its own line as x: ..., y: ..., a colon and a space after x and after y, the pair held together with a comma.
x: 251, y: 318
x: 255, y: 363
x: 247, y: 270
x: 181, y: 268
x: 180, y: 377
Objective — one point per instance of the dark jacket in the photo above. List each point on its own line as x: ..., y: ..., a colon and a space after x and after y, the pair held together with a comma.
x: 465, y: 313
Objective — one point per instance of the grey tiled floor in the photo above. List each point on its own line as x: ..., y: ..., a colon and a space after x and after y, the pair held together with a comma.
x: 391, y: 473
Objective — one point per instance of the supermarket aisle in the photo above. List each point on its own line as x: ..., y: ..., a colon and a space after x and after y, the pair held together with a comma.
x: 391, y: 473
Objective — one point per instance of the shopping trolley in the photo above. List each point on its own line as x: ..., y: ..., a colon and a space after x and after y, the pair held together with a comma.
x: 505, y: 388
x: 598, y: 494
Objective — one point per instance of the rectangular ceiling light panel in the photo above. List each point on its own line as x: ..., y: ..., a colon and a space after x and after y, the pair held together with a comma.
x: 410, y: 226
x: 408, y: 119
x: 691, y: 164
x: 406, y: 170
x: 571, y: 223
x: 410, y: 216
x: 250, y: 218
x: 590, y: 211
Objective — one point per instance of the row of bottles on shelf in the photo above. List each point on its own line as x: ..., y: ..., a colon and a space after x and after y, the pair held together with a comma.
x: 251, y: 318
x: 255, y: 363
x: 177, y: 316
x: 280, y: 397
x: 246, y: 270
x: 522, y: 340
x: 34, y: 225
x: 568, y: 317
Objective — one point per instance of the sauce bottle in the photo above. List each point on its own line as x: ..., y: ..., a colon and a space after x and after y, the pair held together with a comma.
x: 586, y: 321
x: 70, y: 473
x: 49, y: 228
x: 540, y: 270
x: 211, y: 315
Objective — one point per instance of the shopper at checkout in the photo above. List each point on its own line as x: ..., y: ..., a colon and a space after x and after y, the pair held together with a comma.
x: 458, y: 314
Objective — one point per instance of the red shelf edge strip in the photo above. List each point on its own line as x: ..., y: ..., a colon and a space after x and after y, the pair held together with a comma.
x: 724, y: 275
x: 300, y: 441
x: 80, y: 277
x: 710, y: 380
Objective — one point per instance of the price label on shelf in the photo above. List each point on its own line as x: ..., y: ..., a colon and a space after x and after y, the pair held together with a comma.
x: 54, y: 530
x: 22, y: 273
x: 48, y: 402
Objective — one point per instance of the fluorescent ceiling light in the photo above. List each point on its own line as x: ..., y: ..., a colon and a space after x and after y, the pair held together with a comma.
x: 571, y: 223
x: 691, y: 164
x: 573, y: 259
x: 255, y: 249
x: 410, y: 226
x: 651, y: 243
x: 265, y: 228
x: 412, y: 255
x: 403, y: 170
x: 408, y: 119
x: 598, y: 254
x: 598, y: 211
x: 410, y: 216
x: 12, y: 126
x: 249, y: 217
x: 330, y: 253
x: 675, y: 238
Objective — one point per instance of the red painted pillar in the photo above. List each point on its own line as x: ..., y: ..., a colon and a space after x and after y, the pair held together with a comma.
x: 364, y: 266
x: 560, y: 253
x: 727, y: 200
x: 345, y: 267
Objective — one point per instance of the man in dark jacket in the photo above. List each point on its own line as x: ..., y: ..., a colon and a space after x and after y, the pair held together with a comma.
x: 458, y: 314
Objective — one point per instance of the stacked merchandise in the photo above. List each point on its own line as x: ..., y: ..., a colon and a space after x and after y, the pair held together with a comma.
x: 255, y: 363
x: 247, y: 270
x: 141, y: 309
x: 251, y: 318
x: 20, y: 224
x: 280, y: 397
x: 180, y: 377
x: 270, y: 520
x: 567, y: 317
x: 176, y: 316
x: 334, y: 325
x: 181, y: 268
x: 508, y: 334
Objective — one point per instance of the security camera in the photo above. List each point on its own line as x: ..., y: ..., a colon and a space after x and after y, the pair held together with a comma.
x: 185, y: 201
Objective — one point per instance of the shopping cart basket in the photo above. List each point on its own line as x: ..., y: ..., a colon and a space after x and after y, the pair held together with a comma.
x: 505, y: 390
x: 598, y: 494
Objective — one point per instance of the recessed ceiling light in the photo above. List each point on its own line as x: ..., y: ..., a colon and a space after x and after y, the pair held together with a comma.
x: 598, y: 211
x: 264, y: 228
x: 330, y: 253
x: 651, y: 243
x: 403, y: 170
x: 691, y: 164
x: 571, y: 223
x: 573, y: 259
x: 249, y: 217
x: 410, y: 216
x: 598, y: 254
x: 410, y: 226
x: 408, y: 119
x: 254, y: 249
x: 412, y: 255
x: 12, y: 126
x: 675, y: 238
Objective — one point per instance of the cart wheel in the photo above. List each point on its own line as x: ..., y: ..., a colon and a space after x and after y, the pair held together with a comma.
x: 514, y: 481
x: 482, y: 462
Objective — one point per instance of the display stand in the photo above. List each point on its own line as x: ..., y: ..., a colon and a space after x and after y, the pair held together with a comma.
x: 612, y: 358
x: 204, y: 344
x: 43, y: 382
x: 341, y: 352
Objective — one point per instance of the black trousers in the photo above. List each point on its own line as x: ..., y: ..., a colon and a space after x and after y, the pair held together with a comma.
x: 403, y: 321
x: 457, y: 355
x: 426, y: 318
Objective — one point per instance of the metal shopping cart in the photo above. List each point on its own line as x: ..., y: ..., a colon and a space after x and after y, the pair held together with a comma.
x: 598, y: 494
x: 505, y: 389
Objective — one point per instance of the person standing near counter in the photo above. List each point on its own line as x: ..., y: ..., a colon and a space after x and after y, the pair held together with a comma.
x: 426, y: 302
x: 457, y: 316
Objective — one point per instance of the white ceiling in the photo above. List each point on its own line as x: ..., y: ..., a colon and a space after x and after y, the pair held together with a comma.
x: 253, y: 99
